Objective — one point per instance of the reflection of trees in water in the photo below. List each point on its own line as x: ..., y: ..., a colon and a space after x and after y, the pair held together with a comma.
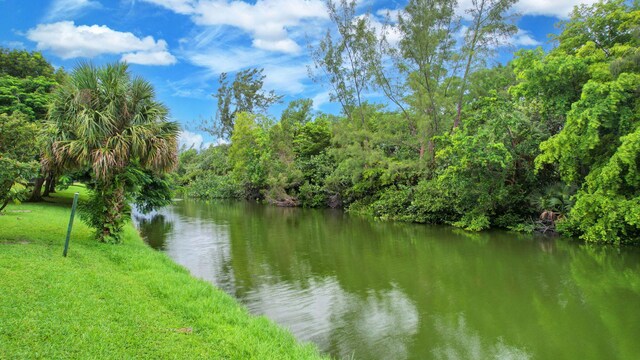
x: 610, y: 277
x: 154, y: 229
x: 377, y: 288
x: 379, y: 325
x: 462, y: 342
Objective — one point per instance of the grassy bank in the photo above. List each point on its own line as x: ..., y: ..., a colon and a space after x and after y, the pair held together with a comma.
x: 115, y: 301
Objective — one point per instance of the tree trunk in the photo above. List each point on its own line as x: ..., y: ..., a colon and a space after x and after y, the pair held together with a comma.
x: 36, y: 195
x: 51, y: 185
x: 432, y: 150
x: 114, y: 216
x: 4, y: 204
x: 47, y: 186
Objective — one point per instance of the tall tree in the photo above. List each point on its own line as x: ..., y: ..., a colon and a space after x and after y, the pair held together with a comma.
x: 489, y: 26
x: 109, y: 121
x: 244, y: 94
x: 249, y: 153
x: 344, y: 62
x: 428, y: 57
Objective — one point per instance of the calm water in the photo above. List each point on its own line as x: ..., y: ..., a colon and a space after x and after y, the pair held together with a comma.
x: 381, y: 290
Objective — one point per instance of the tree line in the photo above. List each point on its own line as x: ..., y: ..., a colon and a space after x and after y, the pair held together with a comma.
x: 548, y: 141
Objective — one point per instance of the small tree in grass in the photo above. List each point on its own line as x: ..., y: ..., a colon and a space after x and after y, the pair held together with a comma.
x: 110, y: 121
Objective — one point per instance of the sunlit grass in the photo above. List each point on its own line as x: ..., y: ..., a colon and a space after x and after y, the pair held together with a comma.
x: 115, y: 301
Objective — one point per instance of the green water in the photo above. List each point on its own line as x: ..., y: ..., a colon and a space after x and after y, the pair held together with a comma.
x: 382, y: 290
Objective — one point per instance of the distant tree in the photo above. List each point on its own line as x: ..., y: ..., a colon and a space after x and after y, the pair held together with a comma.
x: 109, y: 121
x: 244, y: 94
x: 428, y: 57
x: 249, y: 154
x: 284, y: 176
x: 23, y: 64
x: 489, y: 26
x: 18, y: 154
x: 297, y: 113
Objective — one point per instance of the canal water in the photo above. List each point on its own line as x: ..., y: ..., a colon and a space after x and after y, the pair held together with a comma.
x: 364, y: 289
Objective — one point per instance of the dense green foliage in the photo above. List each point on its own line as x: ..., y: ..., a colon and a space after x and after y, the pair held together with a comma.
x: 17, y: 157
x: 109, y: 122
x: 551, y: 138
x: 126, y: 302
x: 598, y: 148
x: 26, y: 83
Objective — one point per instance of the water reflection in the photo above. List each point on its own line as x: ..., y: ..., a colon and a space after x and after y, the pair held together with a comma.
x: 380, y: 290
x: 155, y: 227
x: 462, y: 342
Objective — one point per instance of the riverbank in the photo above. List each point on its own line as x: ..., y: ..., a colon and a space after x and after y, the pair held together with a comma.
x: 115, y: 301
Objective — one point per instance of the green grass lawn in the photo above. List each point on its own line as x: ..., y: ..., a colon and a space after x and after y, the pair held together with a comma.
x: 115, y: 301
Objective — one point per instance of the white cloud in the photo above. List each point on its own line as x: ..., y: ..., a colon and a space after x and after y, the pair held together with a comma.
x: 286, y: 78
x: 227, y: 59
x: 267, y: 21
x: 390, y: 30
x: 391, y: 14
x: 193, y: 140
x: 179, y: 6
x: 320, y: 99
x: 283, y: 45
x: 195, y: 86
x: 523, y: 38
x: 67, y: 9
x: 233, y: 35
x: 284, y: 73
x: 14, y: 45
x: 67, y: 41
x: 556, y: 8
x: 150, y: 58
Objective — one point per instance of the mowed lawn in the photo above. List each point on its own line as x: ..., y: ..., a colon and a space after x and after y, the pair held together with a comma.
x: 115, y: 301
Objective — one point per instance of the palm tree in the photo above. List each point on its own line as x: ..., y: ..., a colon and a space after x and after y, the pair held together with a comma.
x: 109, y: 121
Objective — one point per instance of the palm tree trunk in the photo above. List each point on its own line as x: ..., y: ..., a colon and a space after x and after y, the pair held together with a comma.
x: 51, y: 184
x: 36, y: 195
x: 115, y: 215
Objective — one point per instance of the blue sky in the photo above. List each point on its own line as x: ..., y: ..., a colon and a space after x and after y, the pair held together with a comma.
x: 182, y: 46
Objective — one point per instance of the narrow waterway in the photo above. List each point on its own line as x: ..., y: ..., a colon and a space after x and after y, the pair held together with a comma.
x: 383, y: 290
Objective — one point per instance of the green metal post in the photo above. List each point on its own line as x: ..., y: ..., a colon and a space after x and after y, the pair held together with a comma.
x: 73, y: 214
